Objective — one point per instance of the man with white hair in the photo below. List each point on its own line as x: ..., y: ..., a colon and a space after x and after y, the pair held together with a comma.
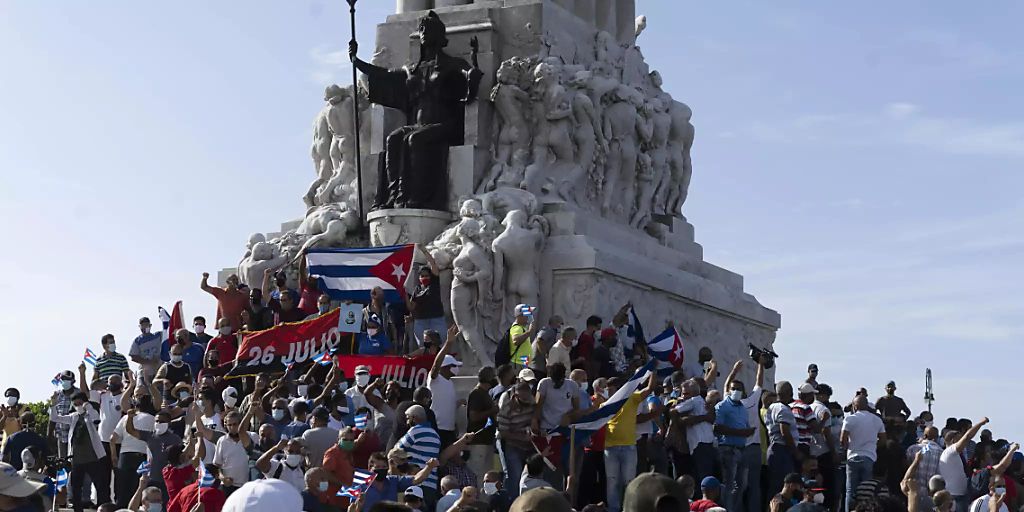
x: 422, y: 443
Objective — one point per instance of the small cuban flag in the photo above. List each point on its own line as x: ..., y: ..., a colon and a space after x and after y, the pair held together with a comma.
x: 361, y: 480
x: 324, y: 358
x: 205, y: 477
x: 143, y: 468
x: 56, y: 380
x: 524, y: 360
x: 360, y: 421
x: 490, y: 423
x: 62, y: 479
x: 90, y: 357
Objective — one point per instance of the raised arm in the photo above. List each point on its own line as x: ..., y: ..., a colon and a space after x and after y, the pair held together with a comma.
x: 265, y: 287
x: 732, y: 374
x: 203, y: 285
x: 263, y: 463
x: 909, y: 483
x: 128, y: 394
x: 434, y: 269
x: 1004, y: 464
x: 81, y: 378
x: 424, y: 473
x: 456, y: 448
x: 973, y: 431
x: 759, y: 377
x: 453, y: 331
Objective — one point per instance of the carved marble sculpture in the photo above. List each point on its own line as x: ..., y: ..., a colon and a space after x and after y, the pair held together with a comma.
x: 432, y: 94
x: 624, y: 128
x: 553, y: 150
x: 516, y: 258
x: 262, y: 257
x: 510, y: 102
x: 472, y: 274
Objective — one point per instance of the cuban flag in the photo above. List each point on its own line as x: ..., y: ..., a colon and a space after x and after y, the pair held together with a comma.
x: 205, y: 477
x: 143, y: 468
x: 350, y: 274
x: 667, y: 348
x: 171, y: 322
x: 56, y: 380
x: 90, y: 357
x: 324, y: 358
x: 633, y: 328
x: 361, y: 480
x: 594, y: 421
x: 360, y: 421
x: 524, y: 360
x: 62, y: 479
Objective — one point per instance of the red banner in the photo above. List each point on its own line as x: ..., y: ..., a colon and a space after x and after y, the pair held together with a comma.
x: 410, y: 372
x: 274, y: 349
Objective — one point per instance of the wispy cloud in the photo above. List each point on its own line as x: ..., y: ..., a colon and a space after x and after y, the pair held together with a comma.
x: 900, y: 123
x: 328, y: 65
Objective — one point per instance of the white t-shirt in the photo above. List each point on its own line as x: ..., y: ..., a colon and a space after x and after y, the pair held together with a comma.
x: 443, y: 404
x: 981, y: 505
x: 820, y: 446
x: 951, y: 467
x: 110, y: 412
x: 296, y: 476
x: 129, y: 443
x: 233, y: 459
x: 864, y: 428
x: 702, y: 432
x: 752, y: 403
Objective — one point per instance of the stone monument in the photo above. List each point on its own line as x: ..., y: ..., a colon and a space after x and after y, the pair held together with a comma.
x: 562, y: 186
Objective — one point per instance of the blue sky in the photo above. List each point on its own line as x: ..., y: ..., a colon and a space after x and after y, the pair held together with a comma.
x: 860, y: 164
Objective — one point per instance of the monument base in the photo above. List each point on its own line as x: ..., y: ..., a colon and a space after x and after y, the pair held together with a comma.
x: 395, y: 226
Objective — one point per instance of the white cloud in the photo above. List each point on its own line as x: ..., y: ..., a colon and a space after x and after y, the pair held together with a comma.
x: 900, y: 110
x: 329, y: 66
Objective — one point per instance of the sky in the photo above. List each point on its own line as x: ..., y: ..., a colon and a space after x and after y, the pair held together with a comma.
x: 859, y: 164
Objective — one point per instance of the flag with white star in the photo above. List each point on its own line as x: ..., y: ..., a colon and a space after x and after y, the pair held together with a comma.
x: 350, y: 274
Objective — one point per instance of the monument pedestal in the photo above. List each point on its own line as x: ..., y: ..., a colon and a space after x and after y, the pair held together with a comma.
x: 395, y: 226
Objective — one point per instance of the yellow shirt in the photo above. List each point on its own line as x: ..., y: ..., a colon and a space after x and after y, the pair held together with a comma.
x: 622, y: 426
x: 525, y: 349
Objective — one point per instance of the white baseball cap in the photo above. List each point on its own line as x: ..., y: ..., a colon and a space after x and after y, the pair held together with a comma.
x: 450, y: 361
x: 527, y: 374
x: 14, y: 485
x: 414, y: 491
x: 362, y: 369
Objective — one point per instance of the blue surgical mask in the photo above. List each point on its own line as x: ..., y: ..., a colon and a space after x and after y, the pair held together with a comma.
x: 278, y: 414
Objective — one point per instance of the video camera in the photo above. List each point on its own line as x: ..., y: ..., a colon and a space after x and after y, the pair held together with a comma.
x: 55, y: 463
x: 768, y: 355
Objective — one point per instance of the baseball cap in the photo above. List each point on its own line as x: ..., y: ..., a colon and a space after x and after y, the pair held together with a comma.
x: 450, y: 361
x: 14, y: 485
x: 806, y: 388
x: 812, y: 367
x: 710, y: 482
x: 414, y: 491
x: 527, y: 374
x: 891, y: 383
x: 522, y: 310
x: 270, y: 495
x: 608, y: 332
x: 362, y: 369
x: 793, y: 478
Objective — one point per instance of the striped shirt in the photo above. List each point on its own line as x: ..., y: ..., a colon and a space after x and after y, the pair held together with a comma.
x: 804, y: 416
x: 931, y: 452
x: 111, y: 364
x: 514, y: 417
x: 422, y: 444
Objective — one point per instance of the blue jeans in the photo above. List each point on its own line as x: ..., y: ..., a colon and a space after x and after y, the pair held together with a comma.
x: 750, y: 485
x: 619, y: 469
x: 733, y: 471
x: 780, y: 463
x: 512, y: 462
x: 421, y: 324
x: 858, y: 469
x: 705, y: 459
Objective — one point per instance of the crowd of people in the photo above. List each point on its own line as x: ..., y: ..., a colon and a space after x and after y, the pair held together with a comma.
x: 163, y: 428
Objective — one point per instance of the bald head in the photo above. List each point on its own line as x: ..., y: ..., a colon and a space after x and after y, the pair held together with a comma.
x: 931, y: 433
x: 785, y: 391
x: 860, y: 403
x: 543, y: 499
x: 654, y: 492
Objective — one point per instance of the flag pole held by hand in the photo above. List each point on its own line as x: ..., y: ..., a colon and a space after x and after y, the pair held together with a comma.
x: 355, y: 113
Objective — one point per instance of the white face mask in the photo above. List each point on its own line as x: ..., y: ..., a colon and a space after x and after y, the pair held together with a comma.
x: 927, y: 424
x: 322, y: 486
x: 65, y: 385
x: 112, y: 347
x: 80, y: 409
x: 183, y: 395
x: 293, y: 459
x: 302, y: 389
x: 146, y: 330
x: 490, y: 488
x: 371, y: 331
x: 362, y: 379
x: 736, y: 395
x: 277, y: 414
x: 176, y: 358
x: 1000, y: 491
x: 584, y: 386
x: 201, y: 404
x: 154, y: 507
x: 819, y: 498
x: 455, y: 370
x: 343, y: 386
x: 225, y: 331
x: 230, y: 401
x: 200, y: 328
x: 160, y: 429
x: 12, y: 401
x: 575, y: 341
x: 603, y: 393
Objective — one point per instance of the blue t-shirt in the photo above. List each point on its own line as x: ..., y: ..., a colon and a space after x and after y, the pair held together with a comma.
x: 192, y: 356
x: 294, y: 430
x: 389, y: 491
x: 733, y: 415
x: 374, y: 346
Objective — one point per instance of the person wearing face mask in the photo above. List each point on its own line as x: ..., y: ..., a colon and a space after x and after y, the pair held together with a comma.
x: 439, y: 381
x: 145, y: 349
x: 379, y: 311
x: 422, y: 443
x: 24, y: 439
x: 425, y: 301
x: 514, y: 418
x: 384, y: 409
x: 33, y: 464
x: 199, y: 334
x: 358, y: 392
x: 127, y: 448
x: 85, y: 448
x: 232, y: 452
x: 10, y: 410
x: 561, y: 351
x: 110, y: 362
x: 546, y: 338
x: 314, y: 493
x: 283, y: 300
x: 494, y: 493
x: 320, y: 438
x: 191, y: 353
x: 225, y: 344
x: 374, y: 342
x: 732, y: 428
x: 215, y: 368
x: 290, y: 467
x: 323, y: 306
x: 147, y: 499
x: 279, y: 415
x: 339, y: 467
x: 61, y: 431
x: 260, y: 316
x: 158, y: 442
x: 298, y: 425
x: 480, y: 411
x: 174, y: 372
x: 230, y: 300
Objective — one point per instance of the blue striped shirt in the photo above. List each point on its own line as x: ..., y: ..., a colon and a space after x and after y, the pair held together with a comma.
x: 422, y: 444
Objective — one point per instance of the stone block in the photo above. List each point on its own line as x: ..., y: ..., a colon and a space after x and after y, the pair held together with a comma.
x: 396, y: 226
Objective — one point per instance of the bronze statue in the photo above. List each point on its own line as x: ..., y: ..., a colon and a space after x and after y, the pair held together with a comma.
x: 433, y: 94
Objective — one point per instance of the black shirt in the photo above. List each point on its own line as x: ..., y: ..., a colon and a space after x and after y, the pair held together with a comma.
x: 480, y: 400
x: 427, y: 299
x: 603, y: 356
x: 402, y: 426
x: 17, y: 443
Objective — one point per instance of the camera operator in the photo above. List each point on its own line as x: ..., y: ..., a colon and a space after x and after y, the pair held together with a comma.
x: 85, y: 448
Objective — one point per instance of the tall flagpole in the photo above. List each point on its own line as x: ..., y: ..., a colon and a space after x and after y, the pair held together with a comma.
x: 571, y: 479
x: 355, y: 116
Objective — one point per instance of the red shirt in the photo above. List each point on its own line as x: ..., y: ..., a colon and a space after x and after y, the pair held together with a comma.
x: 213, y: 499
x: 584, y: 346
x: 176, y: 478
x: 225, y: 346
x: 338, y: 462
x: 697, y: 506
x: 230, y: 304
x: 308, y: 298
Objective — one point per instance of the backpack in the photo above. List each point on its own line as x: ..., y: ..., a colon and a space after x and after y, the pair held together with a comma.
x: 503, y: 352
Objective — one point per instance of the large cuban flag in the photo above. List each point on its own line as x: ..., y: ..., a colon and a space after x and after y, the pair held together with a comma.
x: 594, y: 421
x: 667, y: 348
x: 350, y: 274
